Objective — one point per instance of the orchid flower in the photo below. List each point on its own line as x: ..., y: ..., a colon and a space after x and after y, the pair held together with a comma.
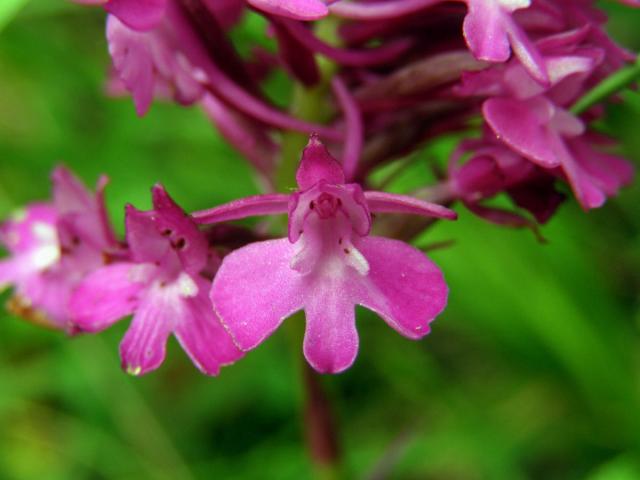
x: 552, y: 137
x: 148, y: 65
x: 328, y: 264
x: 53, y: 246
x: 162, y: 286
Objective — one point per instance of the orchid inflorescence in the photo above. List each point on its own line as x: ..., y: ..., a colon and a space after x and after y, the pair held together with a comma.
x: 380, y: 79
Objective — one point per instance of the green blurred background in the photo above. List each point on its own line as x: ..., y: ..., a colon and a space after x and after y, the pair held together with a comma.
x: 532, y: 372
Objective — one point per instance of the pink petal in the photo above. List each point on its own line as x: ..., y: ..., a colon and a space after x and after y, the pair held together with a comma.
x: 48, y: 293
x: 132, y: 60
x: 584, y: 188
x: 82, y: 214
x: 144, y: 345
x: 479, y: 178
x: 491, y: 33
x: 523, y: 125
x: 505, y: 218
x: 255, y: 290
x: 145, y: 242
x: 269, y: 204
x: 202, y: 335
x: 527, y: 53
x: 10, y: 271
x: 331, y: 339
x: 379, y: 10
x: 105, y: 296
x: 383, y: 202
x: 485, y: 30
x: 403, y: 286
x: 296, y: 9
x: 138, y: 14
x: 318, y: 164
x: 69, y: 193
x: 179, y: 230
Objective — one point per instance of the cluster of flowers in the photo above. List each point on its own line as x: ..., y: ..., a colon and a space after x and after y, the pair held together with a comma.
x: 403, y: 72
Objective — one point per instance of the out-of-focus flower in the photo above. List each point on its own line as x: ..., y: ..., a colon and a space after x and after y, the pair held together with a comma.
x: 551, y: 137
x: 493, y: 168
x: 162, y: 286
x: 53, y: 246
x: 327, y: 266
x: 149, y: 64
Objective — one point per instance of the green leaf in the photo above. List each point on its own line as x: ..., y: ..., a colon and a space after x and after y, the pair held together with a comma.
x: 9, y: 9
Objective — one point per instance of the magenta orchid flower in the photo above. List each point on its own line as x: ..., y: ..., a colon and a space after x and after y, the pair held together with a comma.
x: 148, y: 64
x: 162, y: 286
x: 552, y: 137
x: 489, y: 28
x: 493, y: 168
x: 53, y: 246
x: 328, y: 264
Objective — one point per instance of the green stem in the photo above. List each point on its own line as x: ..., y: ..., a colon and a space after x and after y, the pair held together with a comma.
x: 609, y: 86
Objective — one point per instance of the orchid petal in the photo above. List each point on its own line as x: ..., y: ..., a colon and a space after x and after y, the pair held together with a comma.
x: 138, y: 14
x: 295, y: 9
x: 403, y: 286
x: 255, y: 289
x: 105, y: 296
x: 69, y: 193
x: 179, y: 230
x: 269, y: 204
x: 383, y: 202
x: 330, y: 340
x: 145, y: 242
x: 202, y: 335
x: 523, y: 125
x: 144, y: 345
x: 379, y: 10
x: 318, y: 164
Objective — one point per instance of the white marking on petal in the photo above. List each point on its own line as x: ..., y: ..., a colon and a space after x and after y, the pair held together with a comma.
x: 355, y: 259
x: 140, y: 273
x: 45, y: 256
x: 186, y: 287
x: 44, y: 232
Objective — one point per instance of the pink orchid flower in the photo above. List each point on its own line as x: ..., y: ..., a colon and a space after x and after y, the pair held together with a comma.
x: 148, y: 64
x: 53, y: 246
x: 162, y: 286
x: 552, y: 137
x: 328, y: 264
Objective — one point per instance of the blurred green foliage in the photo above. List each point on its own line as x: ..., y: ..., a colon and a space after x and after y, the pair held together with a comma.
x: 533, y: 372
